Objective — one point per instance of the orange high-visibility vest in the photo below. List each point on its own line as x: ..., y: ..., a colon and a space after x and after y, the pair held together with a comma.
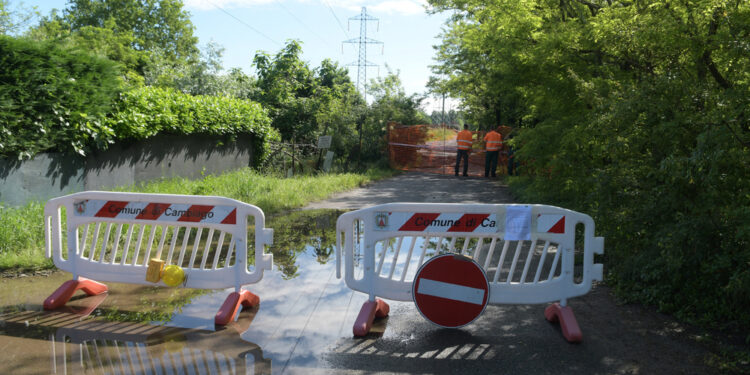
x: 494, y: 141
x: 463, y: 140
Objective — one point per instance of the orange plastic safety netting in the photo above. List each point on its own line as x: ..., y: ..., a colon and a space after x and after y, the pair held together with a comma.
x: 432, y: 149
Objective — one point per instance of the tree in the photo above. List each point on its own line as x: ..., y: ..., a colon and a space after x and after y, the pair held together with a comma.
x: 634, y: 112
x: 451, y: 118
x: 286, y: 87
x: 391, y: 103
x: 101, y: 41
x: 13, y: 20
x: 142, y: 26
x: 339, y: 107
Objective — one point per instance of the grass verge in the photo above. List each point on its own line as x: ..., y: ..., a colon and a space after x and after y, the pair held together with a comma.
x: 22, y: 228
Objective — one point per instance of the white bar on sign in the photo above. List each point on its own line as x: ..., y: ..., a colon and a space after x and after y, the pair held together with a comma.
x: 451, y: 291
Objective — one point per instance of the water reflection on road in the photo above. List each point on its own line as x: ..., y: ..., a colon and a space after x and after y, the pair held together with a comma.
x: 303, y: 313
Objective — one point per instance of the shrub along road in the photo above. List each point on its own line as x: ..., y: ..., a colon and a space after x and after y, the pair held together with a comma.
x: 516, y: 339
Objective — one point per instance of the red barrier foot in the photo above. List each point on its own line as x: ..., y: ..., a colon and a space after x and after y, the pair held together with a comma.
x: 568, y: 324
x: 62, y: 295
x: 232, y: 304
x: 367, y: 314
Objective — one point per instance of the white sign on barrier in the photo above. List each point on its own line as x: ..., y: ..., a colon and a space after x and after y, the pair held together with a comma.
x: 435, y: 222
x: 518, y: 223
x: 163, y: 212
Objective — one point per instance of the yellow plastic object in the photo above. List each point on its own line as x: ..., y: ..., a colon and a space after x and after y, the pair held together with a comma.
x: 153, y: 272
x: 173, y: 275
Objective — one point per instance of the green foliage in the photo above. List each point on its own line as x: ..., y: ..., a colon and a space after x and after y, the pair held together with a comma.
x: 338, y: 107
x: 155, y: 25
x: 286, y: 86
x: 98, y: 40
x: 53, y: 99
x: 13, y: 20
x: 391, y: 103
x: 451, y: 118
x: 633, y: 112
x: 147, y: 111
x: 140, y: 35
x: 202, y: 77
x: 305, y: 103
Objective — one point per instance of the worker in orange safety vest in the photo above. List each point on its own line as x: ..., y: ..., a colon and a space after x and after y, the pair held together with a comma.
x: 463, y: 145
x: 493, y: 144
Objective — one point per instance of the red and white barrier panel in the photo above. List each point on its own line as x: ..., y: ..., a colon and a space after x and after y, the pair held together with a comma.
x: 454, y: 259
x: 156, y: 239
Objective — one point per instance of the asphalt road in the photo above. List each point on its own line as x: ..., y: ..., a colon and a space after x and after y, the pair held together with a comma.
x: 420, y: 187
x: 510, y: 339
x: 304, y: 321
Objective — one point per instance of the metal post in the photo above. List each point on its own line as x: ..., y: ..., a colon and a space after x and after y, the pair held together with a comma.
x: 293, y: 160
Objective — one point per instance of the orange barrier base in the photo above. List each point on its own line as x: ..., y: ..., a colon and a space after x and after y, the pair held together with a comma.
x: 62, y: 295
x: 568, y: 323
x: 231, y: 305
x: 367, y: 314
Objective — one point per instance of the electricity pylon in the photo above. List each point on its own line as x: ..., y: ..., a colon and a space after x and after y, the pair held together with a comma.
x: 362, y: 64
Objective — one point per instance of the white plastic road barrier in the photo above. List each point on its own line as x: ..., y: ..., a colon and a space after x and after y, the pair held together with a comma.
x: 528, y: 254
x: 108, y: 236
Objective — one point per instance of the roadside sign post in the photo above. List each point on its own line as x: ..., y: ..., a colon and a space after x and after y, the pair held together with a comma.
x: 328, y: 161
x: 324, y: 141
x: 451, y: 290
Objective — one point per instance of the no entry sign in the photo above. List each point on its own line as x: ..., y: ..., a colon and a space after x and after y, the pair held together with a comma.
x: 451, y: 290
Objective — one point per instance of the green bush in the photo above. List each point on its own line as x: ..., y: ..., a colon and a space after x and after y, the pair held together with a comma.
x: 635, y: 113
x: 51, y: 99
x: 147, y: 111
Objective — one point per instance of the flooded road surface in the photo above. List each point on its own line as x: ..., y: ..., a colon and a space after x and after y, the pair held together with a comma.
x: 303, y: 325
x: 304, y: 311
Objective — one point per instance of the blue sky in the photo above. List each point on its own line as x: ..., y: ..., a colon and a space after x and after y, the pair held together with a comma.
x: 243, y: 27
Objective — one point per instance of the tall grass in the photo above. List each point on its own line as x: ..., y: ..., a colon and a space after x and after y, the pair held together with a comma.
x: 22, y: 236
x: 441, y: 134
x: 22, y: 228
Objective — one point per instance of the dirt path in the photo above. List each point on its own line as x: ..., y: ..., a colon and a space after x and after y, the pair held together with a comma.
x: 618, y: 339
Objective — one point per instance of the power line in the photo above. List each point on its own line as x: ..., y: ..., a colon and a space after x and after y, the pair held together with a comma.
x: 301, y: 23
x: 336, y: 17
x: 244, y: 23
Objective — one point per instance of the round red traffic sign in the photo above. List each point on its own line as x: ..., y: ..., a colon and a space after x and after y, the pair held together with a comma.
x: 451, y: 290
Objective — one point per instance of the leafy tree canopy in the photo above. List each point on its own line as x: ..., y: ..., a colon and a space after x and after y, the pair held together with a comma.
x: 132, y: 32
x: 634, y: 112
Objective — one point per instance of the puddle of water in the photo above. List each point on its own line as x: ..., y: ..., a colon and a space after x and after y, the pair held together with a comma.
x: 304, y: 311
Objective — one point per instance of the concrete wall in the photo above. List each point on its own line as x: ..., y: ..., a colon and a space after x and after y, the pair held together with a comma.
x: 52, y: 175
